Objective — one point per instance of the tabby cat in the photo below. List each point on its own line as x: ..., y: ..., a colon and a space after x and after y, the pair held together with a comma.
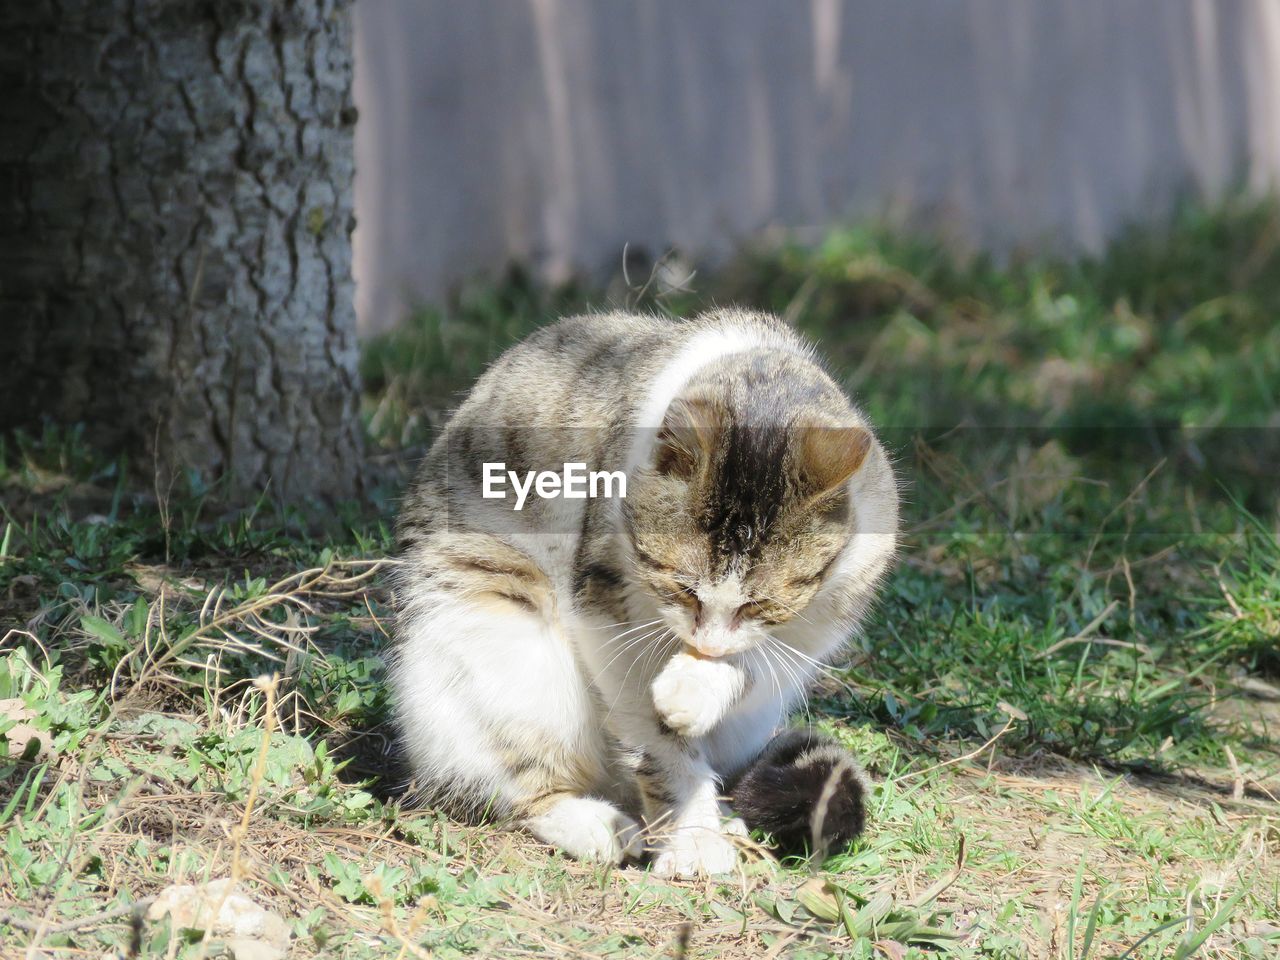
x: 602, y: 669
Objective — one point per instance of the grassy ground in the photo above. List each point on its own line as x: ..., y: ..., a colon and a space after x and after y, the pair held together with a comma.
x: 1070, y: 696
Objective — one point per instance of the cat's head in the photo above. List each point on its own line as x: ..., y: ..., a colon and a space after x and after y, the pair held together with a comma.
x: 739, y: 515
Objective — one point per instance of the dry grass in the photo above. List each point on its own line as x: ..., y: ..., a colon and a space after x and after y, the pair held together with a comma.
x: 1034, y: 828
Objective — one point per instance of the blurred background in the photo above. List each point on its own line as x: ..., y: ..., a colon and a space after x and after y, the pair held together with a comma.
x: 556, y: 133
x: 996, y: 216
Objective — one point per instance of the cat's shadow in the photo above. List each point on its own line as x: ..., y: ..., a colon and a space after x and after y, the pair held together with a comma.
x: 372, y: 758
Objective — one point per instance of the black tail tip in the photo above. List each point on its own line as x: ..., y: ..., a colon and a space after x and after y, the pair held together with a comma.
x: 804, y: 790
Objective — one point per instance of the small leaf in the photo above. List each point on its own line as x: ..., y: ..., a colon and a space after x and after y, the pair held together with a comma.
x: 135, y: 620
x: 866, y: 920
x: 102, y: 629
x: 818, y: 897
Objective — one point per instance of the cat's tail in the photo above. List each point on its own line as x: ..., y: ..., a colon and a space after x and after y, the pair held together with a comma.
x: 806, y: 791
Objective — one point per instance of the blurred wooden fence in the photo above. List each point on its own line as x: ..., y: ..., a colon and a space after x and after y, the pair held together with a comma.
x: 554, y: 131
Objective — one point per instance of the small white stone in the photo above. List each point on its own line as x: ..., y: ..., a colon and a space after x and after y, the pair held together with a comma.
x: 239, y: 921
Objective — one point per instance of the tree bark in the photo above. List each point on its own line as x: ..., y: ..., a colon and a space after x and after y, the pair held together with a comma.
x: 175, y: 265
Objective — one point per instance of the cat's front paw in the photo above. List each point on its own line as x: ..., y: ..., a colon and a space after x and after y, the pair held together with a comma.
x: 681, y: 700
x: 695, y: 852
x: 690, y: 695
x: 588, y: 829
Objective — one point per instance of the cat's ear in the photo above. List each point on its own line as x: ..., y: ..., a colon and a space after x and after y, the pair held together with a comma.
x: 688, y: 436
x: 829, y: 455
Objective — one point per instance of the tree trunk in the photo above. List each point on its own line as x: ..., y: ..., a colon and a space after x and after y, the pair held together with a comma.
x: 175, y: 265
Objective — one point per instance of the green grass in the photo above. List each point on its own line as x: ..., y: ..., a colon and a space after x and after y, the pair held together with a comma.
x: 1072, y: 677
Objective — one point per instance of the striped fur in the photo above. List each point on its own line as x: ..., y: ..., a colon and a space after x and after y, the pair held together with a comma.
x: 586, y: 666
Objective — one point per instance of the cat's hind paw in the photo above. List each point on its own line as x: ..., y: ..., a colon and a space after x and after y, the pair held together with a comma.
x: 588, y: 829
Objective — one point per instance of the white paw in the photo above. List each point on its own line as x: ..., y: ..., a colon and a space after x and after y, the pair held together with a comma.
x: 683, y: 701
x: 696, y: 852
x: 588, y: 829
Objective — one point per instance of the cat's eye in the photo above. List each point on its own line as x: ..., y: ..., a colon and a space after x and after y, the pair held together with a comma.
x: 687, y: 597
x: 765, y: 611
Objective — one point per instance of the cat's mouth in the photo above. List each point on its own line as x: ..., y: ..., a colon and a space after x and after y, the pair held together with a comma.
x: 697, y: 654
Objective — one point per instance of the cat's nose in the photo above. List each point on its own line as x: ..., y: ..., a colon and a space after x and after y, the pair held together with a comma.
x: 717, y: 643
x: 709, y: 650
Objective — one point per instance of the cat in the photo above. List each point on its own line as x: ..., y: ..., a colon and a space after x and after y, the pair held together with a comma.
x: 586, y: 665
